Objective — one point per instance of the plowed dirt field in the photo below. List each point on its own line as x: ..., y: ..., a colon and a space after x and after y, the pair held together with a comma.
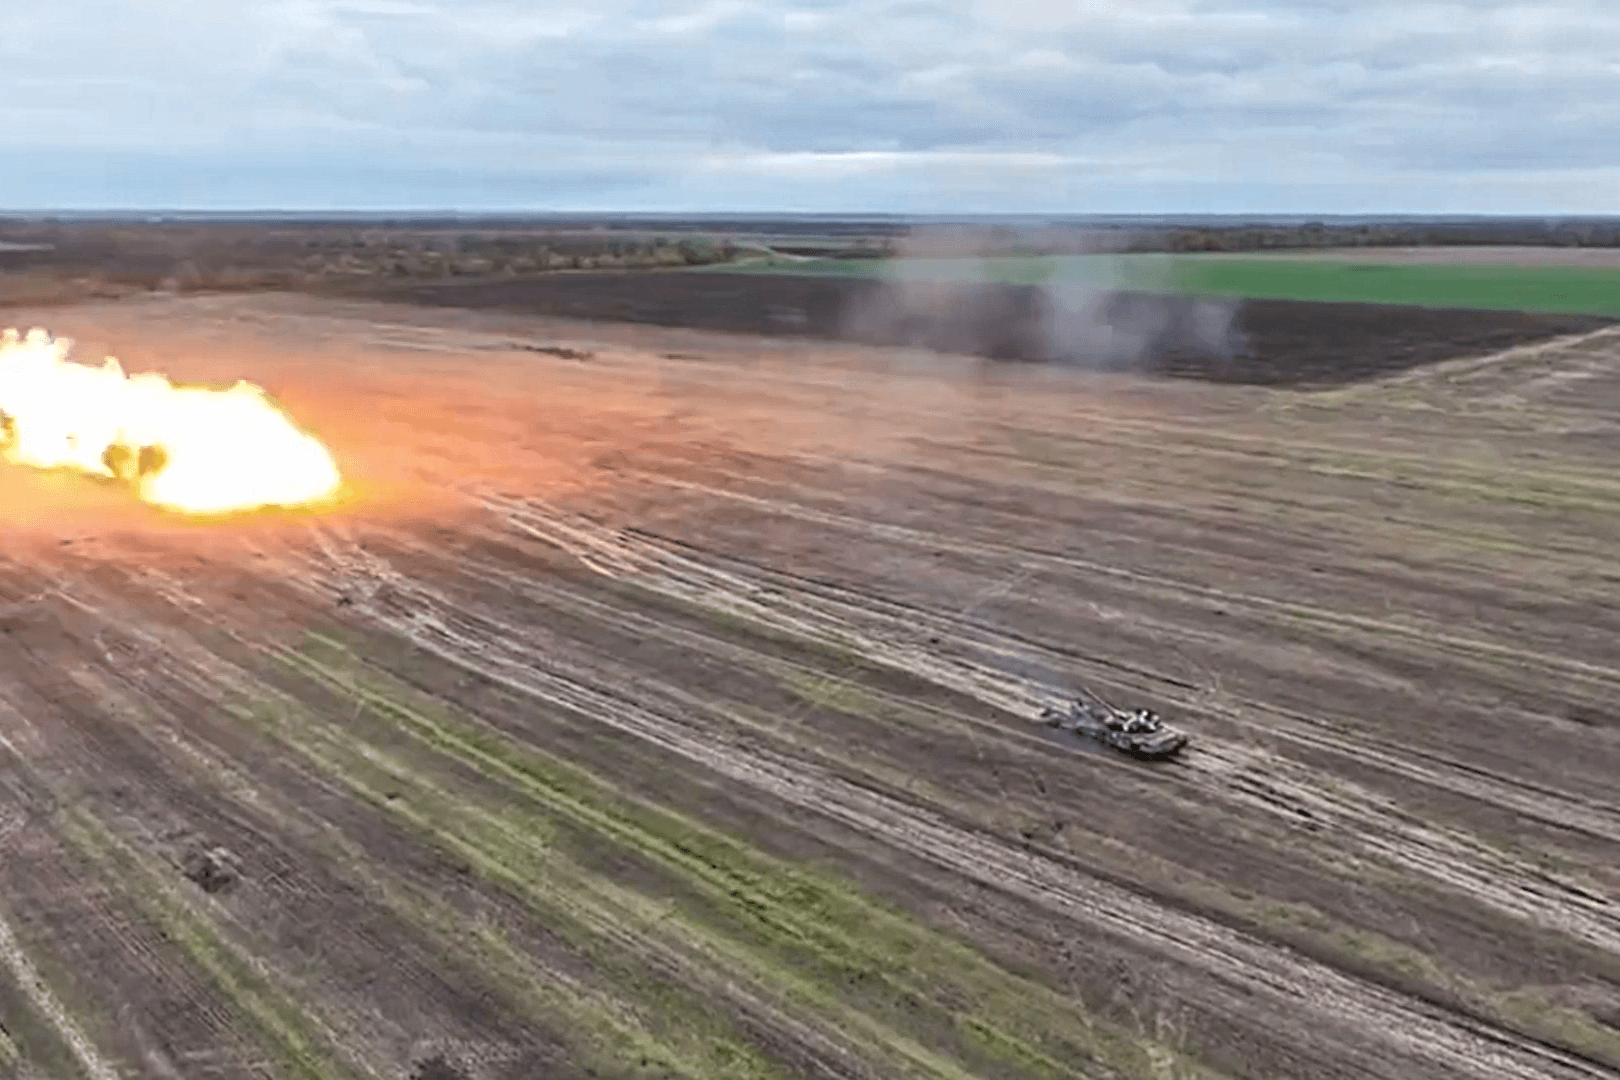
x: 664, y: 704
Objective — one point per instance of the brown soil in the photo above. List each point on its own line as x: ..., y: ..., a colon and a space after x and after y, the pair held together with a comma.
x: 1275, y: 342
x: 663, y: 703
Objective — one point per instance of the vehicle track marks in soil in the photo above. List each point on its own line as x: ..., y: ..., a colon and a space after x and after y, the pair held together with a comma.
x: 902, y: 619
x: 346, y: 770
x: 1605, y: 676
x: 28, y: 979
x: 1383, y: 613
x: 1265, y: 972
x: 1357, y: 818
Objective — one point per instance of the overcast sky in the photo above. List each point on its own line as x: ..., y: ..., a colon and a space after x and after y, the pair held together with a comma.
x: 819, y: 105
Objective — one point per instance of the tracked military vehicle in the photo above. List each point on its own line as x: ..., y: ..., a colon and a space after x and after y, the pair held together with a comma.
x: 1138, y: 732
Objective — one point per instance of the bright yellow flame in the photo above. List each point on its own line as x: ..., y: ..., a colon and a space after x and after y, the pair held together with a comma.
x: 184, y: 448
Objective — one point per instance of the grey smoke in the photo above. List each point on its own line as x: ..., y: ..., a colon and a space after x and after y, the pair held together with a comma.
x: 956, y: 306
x: 1118, y: 330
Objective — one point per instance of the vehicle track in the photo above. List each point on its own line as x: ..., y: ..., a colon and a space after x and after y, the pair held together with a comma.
x: 1358, y: 870
x: 903, y: 619
x: 1242, y: 970
x: 1578, y: 680
x: 1604, y: 678
x: 1357, y: 817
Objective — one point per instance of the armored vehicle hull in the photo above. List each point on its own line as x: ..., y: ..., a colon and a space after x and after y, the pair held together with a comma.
x: 1139, y: 733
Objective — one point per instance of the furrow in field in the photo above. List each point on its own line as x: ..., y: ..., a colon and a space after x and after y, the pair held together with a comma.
x: 1232, y: 959
x: 143, y: 978
x: 155, y: 735
x: 1604, y: 678
x: 821, y: 610
x: 1490, y: 670
x: 43, y: 1002
x: 896, y: 620
x: 1349, y: 816
x: 695, y: 964
x: 127, y: 812
x: 368, y: 771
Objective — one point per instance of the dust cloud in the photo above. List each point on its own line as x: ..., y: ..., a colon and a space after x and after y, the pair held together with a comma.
x: 945, y: 293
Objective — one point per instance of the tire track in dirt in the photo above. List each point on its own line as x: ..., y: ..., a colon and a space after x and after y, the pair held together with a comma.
x: 1253, y: 969
x: 1604, y: 678
x: 796, y: 603
x: 165, y: 761
x: 1597, y: 684
x: 27, y: 978
x: 1342, y: 817
x: 205, y: 668
x: 902, y: 620
x: 686, y: 962
x: 1356, y: 817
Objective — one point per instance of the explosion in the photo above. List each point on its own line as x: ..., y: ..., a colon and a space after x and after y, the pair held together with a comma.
x: 186, y: 448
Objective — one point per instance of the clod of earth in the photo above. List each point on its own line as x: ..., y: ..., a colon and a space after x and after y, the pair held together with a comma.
x: 214, y: 869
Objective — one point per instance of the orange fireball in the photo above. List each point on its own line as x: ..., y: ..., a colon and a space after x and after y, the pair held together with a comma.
x: 192, y: 449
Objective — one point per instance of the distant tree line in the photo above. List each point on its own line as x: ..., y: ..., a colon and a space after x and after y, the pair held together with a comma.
x: 186, y: 256
x: 1595, y: 233
x: 996, y: 240
x: 190, y: 257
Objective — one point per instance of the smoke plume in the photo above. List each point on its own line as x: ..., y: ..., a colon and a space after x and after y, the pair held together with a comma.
x: 979, y: 291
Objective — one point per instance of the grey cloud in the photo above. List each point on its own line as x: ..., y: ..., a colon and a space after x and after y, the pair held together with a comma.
x: 1264, y: 100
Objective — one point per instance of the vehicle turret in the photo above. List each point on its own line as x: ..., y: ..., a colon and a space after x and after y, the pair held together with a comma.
x: 1138, y: 732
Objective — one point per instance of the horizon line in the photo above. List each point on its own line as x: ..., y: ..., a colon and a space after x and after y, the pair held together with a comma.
x: 767, y: 215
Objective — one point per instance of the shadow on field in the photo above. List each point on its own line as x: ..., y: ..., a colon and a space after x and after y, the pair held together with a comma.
x: 1259, y: 342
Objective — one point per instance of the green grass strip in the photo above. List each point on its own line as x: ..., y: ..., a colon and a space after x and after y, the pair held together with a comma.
x: 1570, y: 290
x: 511, y: 848
x: 656, y: 1031
x: 821, y: 933
x: 1551, y: 289
x: 305, y: 1049
x: 602, y: 1036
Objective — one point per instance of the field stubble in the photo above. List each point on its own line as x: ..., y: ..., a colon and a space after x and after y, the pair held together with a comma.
x: 663, y: 705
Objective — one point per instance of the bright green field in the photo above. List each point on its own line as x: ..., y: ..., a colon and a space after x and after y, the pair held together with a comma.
x: 1575, y: 290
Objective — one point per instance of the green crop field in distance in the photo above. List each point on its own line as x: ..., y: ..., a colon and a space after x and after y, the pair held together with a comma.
x: 1563, y: 289
x: 1560, y: 289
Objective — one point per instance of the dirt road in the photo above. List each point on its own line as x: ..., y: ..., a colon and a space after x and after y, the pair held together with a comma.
x: 662, y: 704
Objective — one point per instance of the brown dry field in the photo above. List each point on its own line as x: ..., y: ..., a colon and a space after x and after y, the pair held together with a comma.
x: 662, y: 705
x: 1459, y: 255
